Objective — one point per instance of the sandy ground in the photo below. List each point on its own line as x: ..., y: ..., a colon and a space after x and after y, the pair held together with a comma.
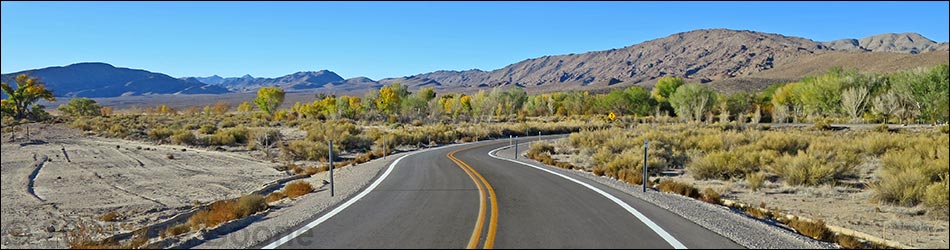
x: 139, y: 181
x: 842, y: 206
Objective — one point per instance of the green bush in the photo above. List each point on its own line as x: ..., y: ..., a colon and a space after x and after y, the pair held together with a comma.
x: 207, y: 129
x: 160, y: 134
x: 755, y: 180
x: 308, y: 150
x: 807, y: 169
x: 183, y: 137
x: 229, y: 136
x: 936, y: 197
x: 907, y: 175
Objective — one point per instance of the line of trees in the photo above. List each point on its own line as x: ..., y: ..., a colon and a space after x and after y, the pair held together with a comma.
x: 919, y: 95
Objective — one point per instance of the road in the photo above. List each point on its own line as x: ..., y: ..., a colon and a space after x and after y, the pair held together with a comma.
x: 460, y: 197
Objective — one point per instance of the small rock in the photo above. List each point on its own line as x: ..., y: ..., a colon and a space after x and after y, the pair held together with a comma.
x: 50, y: 229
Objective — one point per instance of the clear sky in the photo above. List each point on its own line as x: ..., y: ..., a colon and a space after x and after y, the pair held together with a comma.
x: 391, y: 39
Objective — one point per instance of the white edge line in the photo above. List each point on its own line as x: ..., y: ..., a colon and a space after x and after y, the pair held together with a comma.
x: 656, y: 228
x: 327, y: 216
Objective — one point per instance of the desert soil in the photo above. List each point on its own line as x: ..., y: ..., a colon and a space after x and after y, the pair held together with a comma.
x: 143, y: 183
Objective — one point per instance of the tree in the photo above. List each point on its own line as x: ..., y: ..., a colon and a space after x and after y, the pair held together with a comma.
x: 269, y: 98
x: 853, y: 101
x: 81, y: 107
x: 388, y: 99
x: 888, y: 105
x: 926, y: 89
x: 665, y: 87
x: 821, y: 95
x: 787, y: 99
x: 20, y: 101
x: 692, y: 101
x: 640, y: 100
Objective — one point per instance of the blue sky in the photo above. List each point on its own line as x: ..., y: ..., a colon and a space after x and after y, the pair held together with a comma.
x: 391, y: 39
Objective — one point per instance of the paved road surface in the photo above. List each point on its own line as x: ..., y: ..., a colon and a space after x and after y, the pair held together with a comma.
x: 439, y: 199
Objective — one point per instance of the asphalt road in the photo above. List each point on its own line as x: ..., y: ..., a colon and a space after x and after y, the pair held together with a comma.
x: 429, y: 200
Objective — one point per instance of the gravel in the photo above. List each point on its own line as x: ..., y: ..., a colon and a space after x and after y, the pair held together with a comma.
x: 740, y: 228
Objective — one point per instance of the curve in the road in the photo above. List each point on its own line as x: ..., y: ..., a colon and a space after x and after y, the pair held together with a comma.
x: 336, y: 210
x: 653, y: 226
x: 479, y: 224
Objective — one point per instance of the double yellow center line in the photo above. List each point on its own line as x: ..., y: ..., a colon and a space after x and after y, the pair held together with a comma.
x: 480, y: 223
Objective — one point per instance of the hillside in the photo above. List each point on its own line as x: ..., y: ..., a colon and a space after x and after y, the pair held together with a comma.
x: 700, y: 55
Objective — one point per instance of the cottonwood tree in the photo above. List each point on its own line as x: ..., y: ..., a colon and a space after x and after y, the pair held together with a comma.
x: 888, y: 104
x: 692, y: 100
x: 20, y: 102
x: 269, y: 98
x: 81, y: 107
x: 853, y: 101
x: 926, y: 89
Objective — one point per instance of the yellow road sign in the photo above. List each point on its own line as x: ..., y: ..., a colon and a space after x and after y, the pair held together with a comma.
x: 612, y: 116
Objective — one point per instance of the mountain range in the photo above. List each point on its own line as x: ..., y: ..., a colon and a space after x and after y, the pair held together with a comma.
x: 728, y: 59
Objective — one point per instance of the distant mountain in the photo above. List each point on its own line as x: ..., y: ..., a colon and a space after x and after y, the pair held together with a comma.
x: 104, y: 80
x: 295, y: 81
x: 699, y: 55
x: 910, y: 43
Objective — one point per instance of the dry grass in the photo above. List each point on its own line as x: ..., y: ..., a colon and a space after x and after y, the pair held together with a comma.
x: 297, y: 189
x: 683, y: 189
x: 86, y: 235
x: 813, y: 229
x: 224, y: 211
x: 275, y: 196
x: 111, y: 216
x: 755, y: 181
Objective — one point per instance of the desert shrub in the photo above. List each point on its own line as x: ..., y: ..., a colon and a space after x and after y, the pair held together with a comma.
x: 936, y: 198
x: 755, y: 180
x: 848, y: 242
x: 264, y: 137
x: 710, y: 196
x: 877, y: 144
x: 228, y: 124
x: 160, y: 134
x: 881, y: 128
x: 541, y: 147
x: 945, y: 129
x: 111, y: 216
x: 183, y: 137
x: 229, y: 136
x: 813, y: 229
x: 822, y: 124
x: 224, y: 211
x: 85, y: 235
x: 783, y: 142
x: 907, y: 174
x: 275, y: 196
x: 733, y: 164
x: 177, y: 229
x: 207, y: 129
x: 308, y: 150
x: 297, y: 189
x: 808, y: 169
x: 631, y: 176
x: 683, y: 189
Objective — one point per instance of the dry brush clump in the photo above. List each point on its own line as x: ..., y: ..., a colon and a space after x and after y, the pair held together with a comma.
x: 224, y: 211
